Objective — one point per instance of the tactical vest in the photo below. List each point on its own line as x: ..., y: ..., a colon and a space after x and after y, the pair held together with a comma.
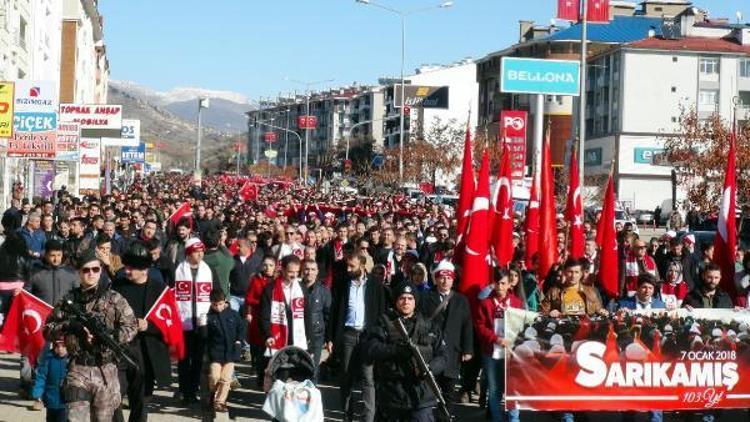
x: 404, y: 366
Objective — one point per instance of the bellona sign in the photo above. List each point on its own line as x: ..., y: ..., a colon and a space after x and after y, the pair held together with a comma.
x: 540, y: 76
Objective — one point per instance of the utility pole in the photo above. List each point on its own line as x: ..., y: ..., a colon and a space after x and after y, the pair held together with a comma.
x: 582, y: 96
x: 202, y: 103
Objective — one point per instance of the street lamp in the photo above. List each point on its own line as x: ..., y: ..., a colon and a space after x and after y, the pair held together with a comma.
x: 308, y: 85
x: 202, y: 103
x: 286, y: 131
x: 402, y: 14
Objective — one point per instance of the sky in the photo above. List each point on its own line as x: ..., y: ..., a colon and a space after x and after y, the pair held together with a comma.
x: 254, y: 47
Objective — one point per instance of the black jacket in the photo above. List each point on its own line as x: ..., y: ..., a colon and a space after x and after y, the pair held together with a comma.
x: 720, y: 300
x: 265, y: 315
x: 239, y: 278
x: 147, y: 344
x: 320, y: 313
x: 375, y: 306
x: 52, y: 283
x: 223, y: 333
x: 14, y: 267
x: 455, y: 325
x: 399, y: 384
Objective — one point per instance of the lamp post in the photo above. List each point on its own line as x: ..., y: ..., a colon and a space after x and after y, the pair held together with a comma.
x: 308, y: 86
x: 202, y: 103
x: 402, y: 14
x: 286, y: 131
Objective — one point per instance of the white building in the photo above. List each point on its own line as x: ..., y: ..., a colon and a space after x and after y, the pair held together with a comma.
x: 637, y: 91
x: 84, y: 71
x: 30, y: 39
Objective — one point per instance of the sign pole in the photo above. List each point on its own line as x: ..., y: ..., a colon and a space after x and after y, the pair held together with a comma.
x: 538, y: 133
x: 582, y: 96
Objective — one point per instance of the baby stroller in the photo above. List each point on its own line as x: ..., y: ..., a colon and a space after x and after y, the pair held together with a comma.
x: 290, y: 395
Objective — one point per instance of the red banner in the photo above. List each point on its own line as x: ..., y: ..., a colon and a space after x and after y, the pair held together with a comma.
x: 307, y: 122
x: 639, y: 361
x: 270, y: 137
x: 568, y: 10
x: 515, y: 124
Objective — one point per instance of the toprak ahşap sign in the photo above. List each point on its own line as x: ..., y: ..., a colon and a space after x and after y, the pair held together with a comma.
x: 96, y: 120
x: 513, y: 124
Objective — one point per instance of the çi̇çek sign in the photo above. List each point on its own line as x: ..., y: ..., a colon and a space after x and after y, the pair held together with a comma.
x: 540, y: 76
x: 642, y: 360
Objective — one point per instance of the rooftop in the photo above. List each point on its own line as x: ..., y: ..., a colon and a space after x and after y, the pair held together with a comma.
x: 693, y: 44
x: 621, y: 29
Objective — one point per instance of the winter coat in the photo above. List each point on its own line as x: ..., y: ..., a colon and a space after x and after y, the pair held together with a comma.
x: 455, y: 325
x: 319, y: 299
x: 52, y: 283
x: 50, y: 373
x: 223, y: 332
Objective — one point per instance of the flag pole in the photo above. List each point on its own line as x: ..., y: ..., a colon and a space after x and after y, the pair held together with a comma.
x: 582, y: 94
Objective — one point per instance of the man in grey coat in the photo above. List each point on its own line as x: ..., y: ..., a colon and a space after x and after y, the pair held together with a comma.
x: 54, y: 280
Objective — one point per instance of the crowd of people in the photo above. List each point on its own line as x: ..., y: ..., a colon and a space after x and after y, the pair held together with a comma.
x: 328, y: 272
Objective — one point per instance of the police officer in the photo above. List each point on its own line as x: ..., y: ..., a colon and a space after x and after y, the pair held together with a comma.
x: 91, y: 389
x: 401, y: 389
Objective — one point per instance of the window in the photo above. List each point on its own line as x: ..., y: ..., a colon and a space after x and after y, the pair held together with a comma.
x: 745, y: 68
x: 708, y: 100
x: 674, y: 59
x: 674, y: 89
x: 709, y: 66
x: 22, y: 33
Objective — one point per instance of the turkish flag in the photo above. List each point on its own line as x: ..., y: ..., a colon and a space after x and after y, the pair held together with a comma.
x: 476, y: 268
x: 502, y: 220
x: 725, y: 243
x: 22, y: 331
x: 249, y: 192
x: 547, y: 213
x: 569, y: 10
x: 166, y: 317
x: 531, y: 225
x: 465, y: 196
x: 574, y: 209
x: 184, y: 211
x: 597, y: 11
x: 609, y: 267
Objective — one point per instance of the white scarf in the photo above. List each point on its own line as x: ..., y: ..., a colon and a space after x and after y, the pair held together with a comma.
x: 186, y: 291
x: 279, y: 323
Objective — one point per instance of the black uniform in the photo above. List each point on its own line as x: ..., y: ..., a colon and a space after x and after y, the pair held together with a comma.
x: 403, y: 393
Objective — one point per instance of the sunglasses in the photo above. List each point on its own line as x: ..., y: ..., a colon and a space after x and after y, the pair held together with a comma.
x: 88, y: 270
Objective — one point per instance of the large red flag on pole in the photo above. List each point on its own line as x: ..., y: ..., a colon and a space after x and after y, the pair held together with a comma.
x: 609, y: 264
x: 597, y: 11
x: 569, y: 10
x: 476, y: 268
x: 531, y: 224
x: 502, y: 221
x: 22, y: 330
x: 725, y: 242
x: 547, y: 213
x: 574, y: 208
x: 465, y: 196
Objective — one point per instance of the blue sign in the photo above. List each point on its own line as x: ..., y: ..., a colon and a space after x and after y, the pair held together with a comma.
x: 35, y: 122
x: 540, y: 76
x: 133, y: 155
x: 645, y: 155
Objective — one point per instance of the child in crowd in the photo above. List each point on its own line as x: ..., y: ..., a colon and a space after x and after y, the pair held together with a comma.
x: 50, y: 373
x: 224, y: 334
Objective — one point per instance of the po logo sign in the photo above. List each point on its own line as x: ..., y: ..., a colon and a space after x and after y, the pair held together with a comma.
x: 514, y: 123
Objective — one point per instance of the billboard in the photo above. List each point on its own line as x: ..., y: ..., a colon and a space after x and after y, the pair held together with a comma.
x: 514, y: 124
x: 422, y: 96
x: 540, y: 76
x: 7, y: 94
x: 90, y: 165
x: 134, y: 155
x: 97, y: 120
x: 68, y: 136
x: 34, y: 120
x: 130, y: 135
x: 307, y: 122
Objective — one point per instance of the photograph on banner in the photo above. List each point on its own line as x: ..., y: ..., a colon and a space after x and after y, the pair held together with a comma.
x: 7, y: 94
x: 68, y: 136
x: 90, y: 166
x: 34, y: 120
x: 640, y: 360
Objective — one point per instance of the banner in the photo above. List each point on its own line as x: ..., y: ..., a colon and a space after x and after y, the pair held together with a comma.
x: 68, y: 136
x: 97, y: 120
x: 90, y: 166
x: 7, y: 94
x: 642, y: 360
x: 34, y: 120
x: 130, y: 135
x: 422, y: 96
x: 44, y: 177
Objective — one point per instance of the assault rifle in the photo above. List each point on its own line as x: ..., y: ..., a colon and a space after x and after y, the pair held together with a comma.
x: 424, y: 368
x: 100, y: 332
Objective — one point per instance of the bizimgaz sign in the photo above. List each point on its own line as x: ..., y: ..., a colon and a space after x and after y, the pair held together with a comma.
x: 540, y: 76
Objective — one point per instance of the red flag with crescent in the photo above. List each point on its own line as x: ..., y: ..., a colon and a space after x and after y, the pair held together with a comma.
x: 166, y: 317
x: 22, y: 331
x: 476, y: 265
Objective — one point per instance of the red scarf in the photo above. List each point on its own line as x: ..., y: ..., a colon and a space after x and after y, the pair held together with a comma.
x: 632, y: 271
x: 279, y: 324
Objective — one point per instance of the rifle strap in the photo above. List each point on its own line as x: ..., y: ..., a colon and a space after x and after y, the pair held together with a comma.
x: 443, y: 306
